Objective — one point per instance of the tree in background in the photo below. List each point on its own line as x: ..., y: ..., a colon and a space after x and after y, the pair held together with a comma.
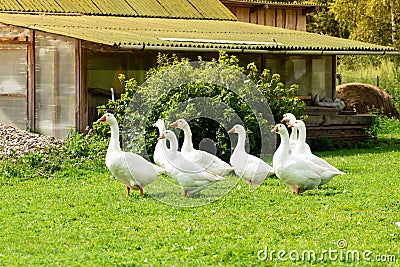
x: 373, y: 21
x: 323, y: 21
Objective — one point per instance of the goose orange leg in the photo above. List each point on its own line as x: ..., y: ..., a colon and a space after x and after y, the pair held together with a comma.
x: 128, y: 191
x: 141, y: 191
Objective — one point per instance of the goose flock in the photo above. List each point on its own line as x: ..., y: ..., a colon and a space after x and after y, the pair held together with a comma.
x: 194, y: 170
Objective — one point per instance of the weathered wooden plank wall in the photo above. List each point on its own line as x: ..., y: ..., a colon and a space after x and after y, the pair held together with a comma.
x: 288, y: 18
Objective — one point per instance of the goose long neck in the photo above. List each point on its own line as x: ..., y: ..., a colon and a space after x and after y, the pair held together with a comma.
x: 293, y: 134
x: 241, y: 142
x: 300, y: 147
x: 282, y: 153
x: 284, y: 143
x: 187, y: 140
x: 302, y: 134
x: 161, y: 128
x: 173, y: 143
x: 114, y: 141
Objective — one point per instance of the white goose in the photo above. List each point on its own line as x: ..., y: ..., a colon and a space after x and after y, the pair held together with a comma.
x: 251, y: 169
x: 299, y: 173
x: 130, y: 169
x: 190, y: 176
x: 289, y: 118
x: 300, y: 149
x: 209, y: 161
x: 159, y: 156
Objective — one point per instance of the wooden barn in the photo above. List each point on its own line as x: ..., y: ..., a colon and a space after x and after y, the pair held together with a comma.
x: 59, y: 58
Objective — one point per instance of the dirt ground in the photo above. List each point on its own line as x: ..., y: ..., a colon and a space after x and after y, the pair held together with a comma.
x: 363, y: 97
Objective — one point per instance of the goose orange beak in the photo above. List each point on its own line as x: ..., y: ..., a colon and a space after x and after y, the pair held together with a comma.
x: 283, y: 119
x: 103, y: 118
x: 232, y: 130
x: 291, y: 125
x: 275, y: 130
x: 162, y: 136
x: 174, y: 124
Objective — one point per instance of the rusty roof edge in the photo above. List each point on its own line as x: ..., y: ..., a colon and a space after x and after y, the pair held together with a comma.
x: 275, y: 3
x: 244, y: 49
x: 42, y: 13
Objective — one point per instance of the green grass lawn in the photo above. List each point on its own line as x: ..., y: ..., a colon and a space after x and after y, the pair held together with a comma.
x: 81, y: 217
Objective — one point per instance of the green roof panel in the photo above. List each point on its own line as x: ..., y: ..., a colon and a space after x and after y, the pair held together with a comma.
x: 193, y: 33
x: 190, y: 9
x: 10, y: 5
x: 148, y: 8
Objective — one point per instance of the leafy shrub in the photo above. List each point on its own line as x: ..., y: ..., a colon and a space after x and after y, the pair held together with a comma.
x: 217, y: 77
x: 321, y: 143
x: 78, y: 145
x: 78, y: 151
x: 384, y: 125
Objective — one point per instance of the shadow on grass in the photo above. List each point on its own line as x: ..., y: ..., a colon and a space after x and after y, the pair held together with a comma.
x: 323, y: 192
x: 168, y: 192
x: 383, y: 145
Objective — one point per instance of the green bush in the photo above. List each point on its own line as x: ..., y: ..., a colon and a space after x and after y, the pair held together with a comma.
x: 384, y: 125
x: 321, y: 143
x: 216, y: 77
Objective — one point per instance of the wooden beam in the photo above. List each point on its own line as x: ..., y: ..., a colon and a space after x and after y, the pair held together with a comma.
x: 291, y: 19
x: 301, y: 21
x: 270, y: 17
x: 78, y: 83
x: 13, y: 39
x: 243, y: 14
x: 260, y: 16
x: 97, y: 47
x: 81, y: 92
x: 280, y: 18
x: 31, y: 82
x: 334, y: 69
x: 253, y: 17
x: 13, y: 95
x: 54, y: 91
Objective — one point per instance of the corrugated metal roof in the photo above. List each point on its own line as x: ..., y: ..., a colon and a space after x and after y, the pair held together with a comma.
x: 156, y: 33
x: 191, y: 9
x: 297, y: 3
x: 271, y: 2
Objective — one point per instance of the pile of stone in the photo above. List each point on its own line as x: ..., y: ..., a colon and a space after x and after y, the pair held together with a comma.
x: 16, y: 143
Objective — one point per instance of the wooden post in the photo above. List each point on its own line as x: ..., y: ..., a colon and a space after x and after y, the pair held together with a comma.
x: 54, y: 91
x: 31, y: 80
x: 334, y: 69
x: 260, y: 17
x: 253, y: 16
x: 77, y: 73
x: 243, y: 14
x: 291, y: 19
x: 301, y: 24
x: 270, y: 17
x: 280, y: 18
x: 81, y: 102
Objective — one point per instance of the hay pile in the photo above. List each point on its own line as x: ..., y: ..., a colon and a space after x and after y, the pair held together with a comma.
x: 364, y: 97
x: 16, y: 143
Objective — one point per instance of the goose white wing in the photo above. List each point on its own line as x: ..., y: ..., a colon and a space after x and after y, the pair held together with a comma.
x: 301, y: 173
x: 159, y: 157
x: 251, y: 169
x: 208, y: 161
x: 143, y: 171
x: 191, y: 176
x: 117, y: 165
